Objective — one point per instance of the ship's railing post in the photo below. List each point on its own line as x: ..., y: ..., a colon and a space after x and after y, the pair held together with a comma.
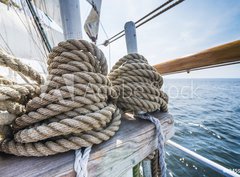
x: 147, y: 172
x: 131, y: 37
x: 71, y: 19
x: 131, y: 42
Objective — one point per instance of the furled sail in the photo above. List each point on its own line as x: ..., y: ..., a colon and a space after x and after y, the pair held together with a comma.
x: 91, y: 25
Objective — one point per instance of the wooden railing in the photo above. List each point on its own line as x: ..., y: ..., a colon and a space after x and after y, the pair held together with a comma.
x: 217, y: 56
x: 134, y: 141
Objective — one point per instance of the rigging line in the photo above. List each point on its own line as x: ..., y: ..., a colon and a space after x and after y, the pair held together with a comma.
x: 44, y: 9
x: 104, y: 31
x: 161, y: 6
x: 159, y: 13
x: 4, y: 41
x: 29, y: 32
x: 29, y: 28
x: 39, y: 26
x: 20, y: 74
x: 6, y: 44
x: 150, y: 13
x: 109, y: 56
x: 103, y: 28
x: 112, y: 39
x: 39, y: 36
x: 109, y: 46
x: 42, y: 6
x: 36, y: 32
x: 2, y: 47
x: 53, y: 16
x: 26, y: 26
x: 14, y: 72
x: 116, y: 35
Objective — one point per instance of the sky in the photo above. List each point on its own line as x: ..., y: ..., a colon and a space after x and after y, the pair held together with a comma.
x: 190, y: 27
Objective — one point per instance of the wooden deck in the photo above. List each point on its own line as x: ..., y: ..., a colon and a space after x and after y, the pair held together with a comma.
x: 131, y: 144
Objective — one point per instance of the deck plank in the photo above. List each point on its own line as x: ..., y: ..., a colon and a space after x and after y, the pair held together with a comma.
x: 135, y: 140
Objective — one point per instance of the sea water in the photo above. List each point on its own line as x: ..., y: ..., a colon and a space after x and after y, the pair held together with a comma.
x: 207, y: 121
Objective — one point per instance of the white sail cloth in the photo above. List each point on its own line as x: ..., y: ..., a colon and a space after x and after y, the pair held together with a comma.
x: 91, y: 25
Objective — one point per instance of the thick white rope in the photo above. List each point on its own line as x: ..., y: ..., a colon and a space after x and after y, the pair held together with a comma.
x: 81, y: 161
x: 161, y: 140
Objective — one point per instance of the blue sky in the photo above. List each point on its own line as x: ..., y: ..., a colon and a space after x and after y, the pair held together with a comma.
x: 190, y: 27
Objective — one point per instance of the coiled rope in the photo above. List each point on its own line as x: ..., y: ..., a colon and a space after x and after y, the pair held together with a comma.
x: 13, y: 96
x: 79, y: 103
x: 138, y: 85
x: 73, y: 110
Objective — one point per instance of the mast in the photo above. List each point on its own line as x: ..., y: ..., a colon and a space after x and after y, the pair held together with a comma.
x: 71, y: 19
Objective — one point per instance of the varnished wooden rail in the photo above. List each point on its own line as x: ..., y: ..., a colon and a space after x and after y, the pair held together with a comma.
x: 134, y: 141
x: 217, y: 56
